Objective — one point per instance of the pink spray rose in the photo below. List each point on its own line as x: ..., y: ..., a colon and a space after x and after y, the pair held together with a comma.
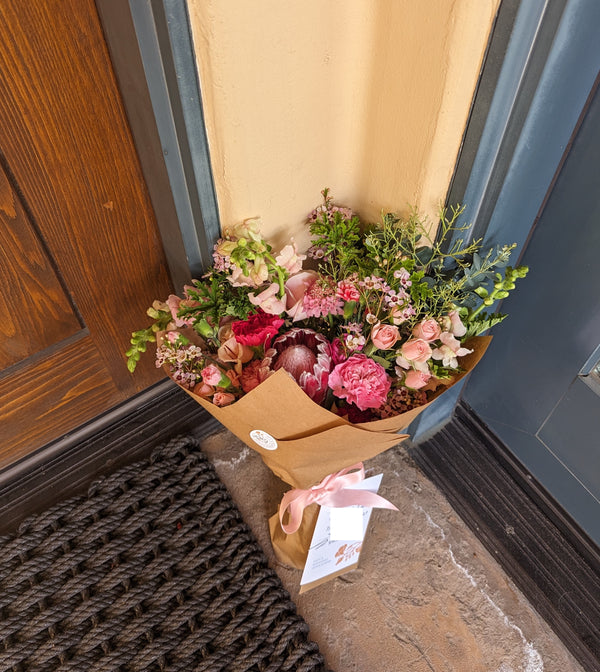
x: 211, y: 375
x: 384, y: 336
x: 360, y: 381
x: 269, y: 300
x: 295, y: 289
x: 415, y: 353
x: 427, y: 330
x: 416, y: 379
x: 223, y: 398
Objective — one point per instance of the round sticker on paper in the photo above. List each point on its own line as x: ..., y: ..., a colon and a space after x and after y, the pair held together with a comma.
x: 263, y: 439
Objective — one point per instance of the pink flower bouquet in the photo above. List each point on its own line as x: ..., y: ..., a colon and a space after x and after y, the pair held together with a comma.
x: 318, y: 360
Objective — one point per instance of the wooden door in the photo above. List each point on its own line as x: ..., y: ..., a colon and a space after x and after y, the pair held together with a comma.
x: 80, y: 254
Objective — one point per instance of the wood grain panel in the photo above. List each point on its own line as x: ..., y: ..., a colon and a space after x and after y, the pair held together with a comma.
x: 49, y: 399
x: 65, y: 136
x: 36, y: 312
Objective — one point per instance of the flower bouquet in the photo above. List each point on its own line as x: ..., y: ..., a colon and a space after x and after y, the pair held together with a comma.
x: 318, y: 360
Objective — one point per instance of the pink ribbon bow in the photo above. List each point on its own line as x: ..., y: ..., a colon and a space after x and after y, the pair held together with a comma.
x: 334, y: 490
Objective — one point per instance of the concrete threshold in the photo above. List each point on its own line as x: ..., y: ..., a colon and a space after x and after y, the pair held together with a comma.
x: 426, y: 597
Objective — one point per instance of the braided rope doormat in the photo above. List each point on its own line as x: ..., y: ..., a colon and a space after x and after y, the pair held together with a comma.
x: 153, y: 570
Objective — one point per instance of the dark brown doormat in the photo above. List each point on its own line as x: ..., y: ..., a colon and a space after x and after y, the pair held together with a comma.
x: 153, y: 570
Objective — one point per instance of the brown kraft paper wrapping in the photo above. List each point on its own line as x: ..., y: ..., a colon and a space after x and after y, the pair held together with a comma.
x: 312, y: 442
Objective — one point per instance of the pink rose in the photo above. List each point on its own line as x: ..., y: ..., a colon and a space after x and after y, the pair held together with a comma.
x: 416, y: 379
x: 360, y: 381
x: 295, y: 289
x: 269, y: 300
x: 414, y: 354
x: 223, y: 398
x: 427, y: 330
x: 384, y: 336
x: 211, y: 375
x: 289, y: 259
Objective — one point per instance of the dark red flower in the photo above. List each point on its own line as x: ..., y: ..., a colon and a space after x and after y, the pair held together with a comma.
x: 258, y: 329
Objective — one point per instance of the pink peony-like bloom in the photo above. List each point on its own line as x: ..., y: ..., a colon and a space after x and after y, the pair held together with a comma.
x: 295, y: 289
x: 384, y: 336
x: 306, y: 356
x: 449, y: 351
x: 268, y: 300
x: 347, y: 291
x: 211, y: 375
x: 361, y: 381
x: 427, y: 330
x: 289, y: 259
x: 416, y: 379
x: 414, y: 353
x: 257, y: 329
x: 223, y: 398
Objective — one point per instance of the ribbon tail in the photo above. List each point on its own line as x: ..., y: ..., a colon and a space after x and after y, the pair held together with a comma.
x: 351, y: 497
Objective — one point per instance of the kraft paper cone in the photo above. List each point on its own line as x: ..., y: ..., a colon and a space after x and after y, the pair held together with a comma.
x: 305, y: 442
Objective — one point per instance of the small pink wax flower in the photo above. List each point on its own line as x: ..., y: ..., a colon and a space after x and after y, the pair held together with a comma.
x: 427, y: 330
x: 384, y: 336
x: 361, y: 381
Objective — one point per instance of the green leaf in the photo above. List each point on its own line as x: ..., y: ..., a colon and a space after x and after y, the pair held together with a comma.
x: 349, y: 309
x: 382, y: 361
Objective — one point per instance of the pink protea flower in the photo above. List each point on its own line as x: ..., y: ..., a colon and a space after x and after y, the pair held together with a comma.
x: 360, y: 381
x: 306, y: 356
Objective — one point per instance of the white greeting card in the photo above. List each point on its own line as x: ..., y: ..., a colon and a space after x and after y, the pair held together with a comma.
x: 329, y: 555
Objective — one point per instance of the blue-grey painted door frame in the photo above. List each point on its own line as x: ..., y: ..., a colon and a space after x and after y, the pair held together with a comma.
x: 529, y: 185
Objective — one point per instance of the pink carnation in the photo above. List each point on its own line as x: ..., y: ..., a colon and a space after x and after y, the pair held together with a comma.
x: 347, y: 291
x: 360, y: 381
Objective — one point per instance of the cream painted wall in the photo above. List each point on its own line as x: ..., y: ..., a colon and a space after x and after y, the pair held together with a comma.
x: 367, y: 97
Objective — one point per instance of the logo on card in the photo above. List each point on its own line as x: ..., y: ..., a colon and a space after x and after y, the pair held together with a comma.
x: 263, y: 439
